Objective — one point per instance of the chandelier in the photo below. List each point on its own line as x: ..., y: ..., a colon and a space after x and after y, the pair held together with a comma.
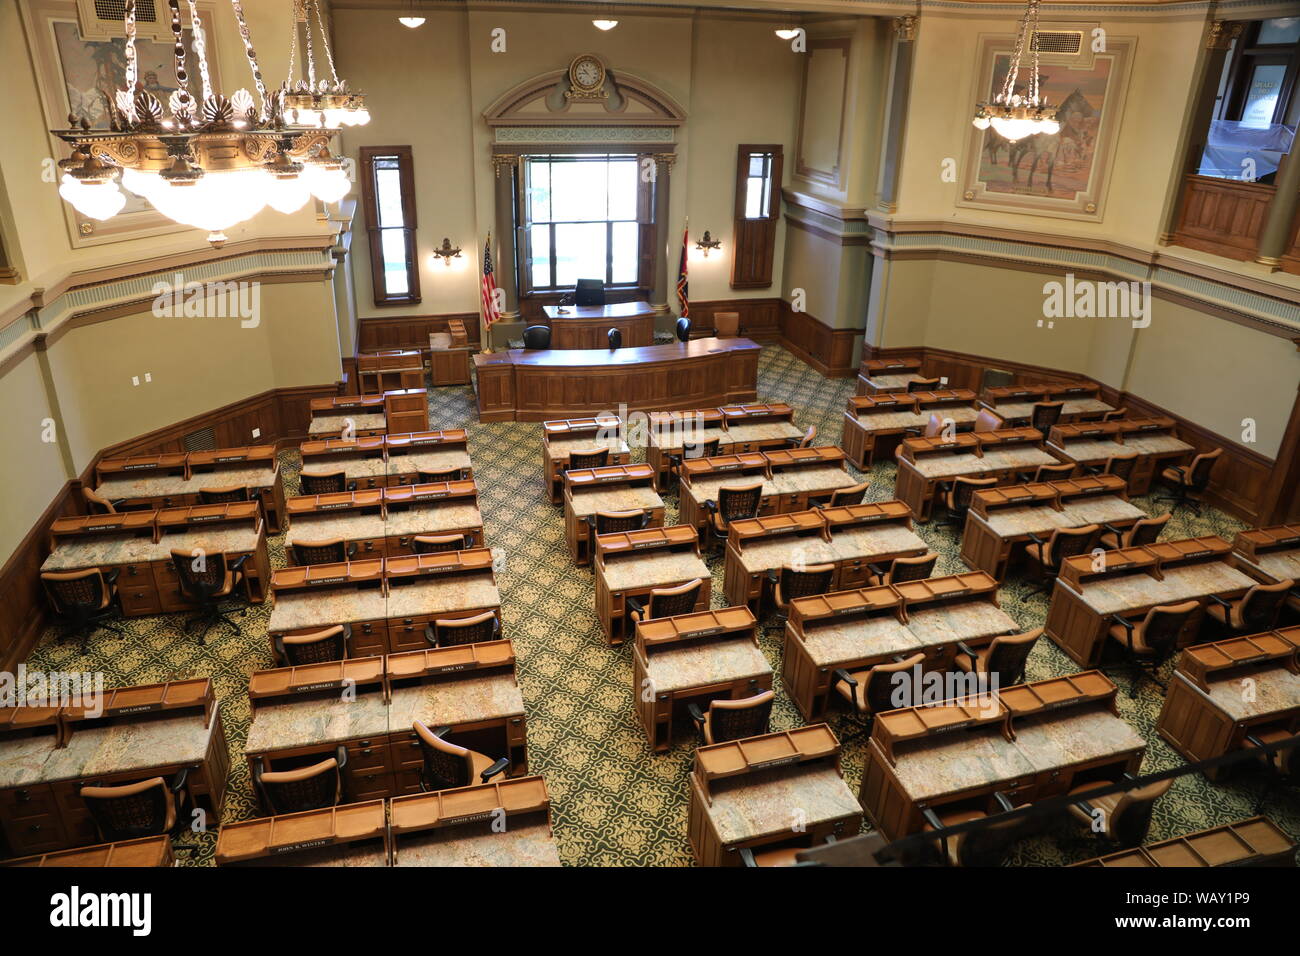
x: 209, y: 164
x: 1011, y: 114
x: 327, y: 103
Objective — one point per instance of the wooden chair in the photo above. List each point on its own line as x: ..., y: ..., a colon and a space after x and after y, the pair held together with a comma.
x: 733, y: 504
x: 666, y: 602
x: 440, y: 543
x: 84, y: 600
x: 98, y: 504
x: 463, y: 630
x: 1143, y: 531
x: 1188, y: 479
x: 312, y: 787
x: 726, y: 325
x: 875, y: 690
x: 582, y: 458
x: 1114, y: 415
x: 957, y: 495
x: 903, y: 569
x: 1124, y: 817
x: 324, y: 482
x: 789, y: 584
x: 922, y: 385
x: 1004, y: 658
x: 1256, y: 610
x: 1148, y: 643
x: 322, y: 552
x: 839, y: 497
x: 981, y: 846
x: 318, y: 647
x: 1064, y: 543
x: 129, y: 811
x: 987, y: 421
x: 431, y: 477
x: 1053, y: 472
x: 447, y: 766
x: 220, y: 496
x: 1121, y: 466
x: 806, y: 441
x: 733, y: 719
x: 1045, y: 415
x: 208, y: 585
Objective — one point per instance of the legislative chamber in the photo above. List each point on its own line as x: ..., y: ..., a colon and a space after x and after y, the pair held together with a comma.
x: 494, y: 434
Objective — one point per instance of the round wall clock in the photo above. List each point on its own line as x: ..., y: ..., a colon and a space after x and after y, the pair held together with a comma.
x: 587, y: 73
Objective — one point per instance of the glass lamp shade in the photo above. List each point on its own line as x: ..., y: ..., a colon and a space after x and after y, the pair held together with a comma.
x: 326, y: 184
x: 98, y: 200
x: 411, y: 22
x: 787, y: 34
x: 288, y: 195
x: 215, y: 202
x: 1014, y: 129
x: 604, y: 24
x: 981, y: 122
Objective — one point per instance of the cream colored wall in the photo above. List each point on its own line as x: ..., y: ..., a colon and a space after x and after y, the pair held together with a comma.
x: 34, y: 470
x: 736, y: 81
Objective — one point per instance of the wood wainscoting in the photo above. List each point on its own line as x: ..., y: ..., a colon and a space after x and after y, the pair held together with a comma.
x: 282, y: 414
x: 379, y: 333
x: 1224, y: 217
x: 760, y: 319
x: 1240, y: 484
x: 828, y: 350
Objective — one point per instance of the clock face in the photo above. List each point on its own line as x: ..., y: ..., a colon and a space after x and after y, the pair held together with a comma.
x: 586, y: 73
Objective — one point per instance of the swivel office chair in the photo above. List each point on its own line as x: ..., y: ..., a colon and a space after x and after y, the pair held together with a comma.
x: 1121, y: 466
x: 1053, y: 472
x: 447, y: 766
x: 130, y: 811
x: 732, y: 504
x: 209, y: 584
x: 957, y: 496
x: 84, y: 600
x: 463, y: 630
x: 537, y: 337
x: 987, y: 421
x: 903, y: 569
x: 839, y: 497
x: 1256, y: 610
x: 1148, y: 643
x: 874, y: 690
x: 435, y: 477
x: 1051, y: 555
x: 666, y: 602
x: 923, y: 385
x: 98, y: 504
x: 1002, y: 659
x: 683, y: 329
x: 322, y: 552
x: 581, y: 458
x: 1143, y: 531
x: 612, y: 522
x: 312, y: 787
x: 726, y: 325
x: 1189, y: 479
x: 789, y: 584
x: 805, y: 441
x: 440, y: 543
x: 324, y: 482
x: 1124, y: 817
x: 733, y: 719
x: 1045, y: 415
x: 589, y: 292
x: 318, y: 647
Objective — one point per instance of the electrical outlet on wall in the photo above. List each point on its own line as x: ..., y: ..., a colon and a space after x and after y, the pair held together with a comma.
x: 148, y: 376
x: 257, y: 433
x: 943, y: 379
x: 135, y: 379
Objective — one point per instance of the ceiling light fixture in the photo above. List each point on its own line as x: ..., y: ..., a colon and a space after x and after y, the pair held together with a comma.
x: 1013, y: 114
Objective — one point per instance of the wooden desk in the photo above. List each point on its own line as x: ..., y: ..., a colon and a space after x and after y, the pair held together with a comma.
x: 379, y: 372
x: 703, y: 478
x: 48, y: 754
x: 1029, y: 742
x: 561, y: 437
x: 861, y: 628
x: 388, y: 601
x: 1000, y: 519
x: 382, y: 522
x: 363, y: 461
x: 139, y: 545
x: 174, y: 480
x: 758, y: 427
x: 670, y: 432
x: 347, y: 416
x: 301, y: 714
x: 926, y: 465
x: 852, y: 538
x: 694, y: 658
x: 632, y: 564
x: 351, y: 834
x: 146, y: 851
x: 612, y: 488
x: 500, y: 823
x: 801, y: 474
x: 878, y: 376
x: 1015, y: 403
x: 1272, y: 554
x: 769, y: 790
x: 870, y: 420
x: 1206, y: 714
x: 410, y: 453
x: 533, y: 386
x: 1254, y: 842
x: 1153, y: 440
x: 1130, y: 582
x: 587, y: 326
x: 791, y: 480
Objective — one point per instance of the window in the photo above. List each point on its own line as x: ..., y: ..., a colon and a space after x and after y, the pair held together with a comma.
x: 388, y: 194
x: 581, y: 220
x: 758, y: 207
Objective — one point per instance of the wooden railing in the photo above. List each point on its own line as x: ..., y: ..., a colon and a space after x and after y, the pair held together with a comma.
x: 1223, y: 216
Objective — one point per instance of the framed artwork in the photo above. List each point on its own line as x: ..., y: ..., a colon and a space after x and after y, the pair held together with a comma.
x: 1063, y: 175
x: 79, y: 75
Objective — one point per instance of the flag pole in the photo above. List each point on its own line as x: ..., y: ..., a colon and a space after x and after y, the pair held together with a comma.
x: 485, y: 332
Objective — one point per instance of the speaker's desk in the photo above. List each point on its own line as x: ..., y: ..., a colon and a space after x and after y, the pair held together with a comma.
x: 534, y: 386
x: 587, y: 326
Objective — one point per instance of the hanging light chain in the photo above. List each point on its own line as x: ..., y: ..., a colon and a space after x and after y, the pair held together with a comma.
x: 200, y: 49
x: 247, y: 37
x: 178, y: 50
x: 311, y: 56
x: 131, y: 73
x: 324, y: 39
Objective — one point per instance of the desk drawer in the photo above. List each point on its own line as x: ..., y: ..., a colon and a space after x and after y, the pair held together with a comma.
x: 138, y: 596
x: 34, y: 835
x: 23, y: 802
x: 369, y: 756
x: 369, y: 638
x: 407, y: 634
x: 405, y: 752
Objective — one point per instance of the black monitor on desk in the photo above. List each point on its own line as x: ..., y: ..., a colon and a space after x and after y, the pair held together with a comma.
x: 590, y: 292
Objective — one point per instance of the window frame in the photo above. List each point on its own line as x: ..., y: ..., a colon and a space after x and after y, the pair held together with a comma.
x: 1248, y: 55
x: 527, y: 223
x: 406, y: 179
x: 744, y: 153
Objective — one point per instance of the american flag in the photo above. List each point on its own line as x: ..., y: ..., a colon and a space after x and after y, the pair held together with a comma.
x: 683, y: 296
x: 489, y: 286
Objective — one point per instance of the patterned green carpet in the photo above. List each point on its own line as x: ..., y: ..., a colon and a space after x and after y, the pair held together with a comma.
x: 615, y: 802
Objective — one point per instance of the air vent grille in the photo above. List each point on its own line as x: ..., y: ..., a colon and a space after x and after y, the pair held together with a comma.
x: 116, y: 10
x: 1068, y: 42
x: 205, y: 439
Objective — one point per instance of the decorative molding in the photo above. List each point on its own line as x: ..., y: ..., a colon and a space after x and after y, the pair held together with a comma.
x: 1222, y: 33
x: 904, y: 28
x: 533, y: 135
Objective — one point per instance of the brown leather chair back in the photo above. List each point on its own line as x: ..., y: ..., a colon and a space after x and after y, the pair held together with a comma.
x: 319, y: 552
x: 219, y: 496
x: 1146, y: 531
x: 97, y: 502
x: 911, y: 569
x: 1009, y: 654
x: 934, y: 426
x: 612, y: 522
x: 305, y: 788
x: 1259, y: 608
x: 1054, y: 472
x: 701, y: 449
x: 439, y: 543
x: 963, y: 489
x: 431, y: 477
x: 318, y: 647
x: 132, y: 810
x: 987, y: 421
x: 1131, y: 818
x: 1163, y: 625
x: 1121, y: 466
x: 849, y: 496
x: 809, y: 437
x: 75, y: 592
x: 321, y: 482
x: 1045, y: 415
x: 737, y: 719
x: 726, y: 325
x: 883, y: 692
x: 1068, y: 542
x: 669, y: 602
x: 737, y: 503
x: 922, y: 384
x: 581, y: 458
x: 467, y: 630
x: 1198, y: 475
x: 814, y: 579
x: 446, y: 766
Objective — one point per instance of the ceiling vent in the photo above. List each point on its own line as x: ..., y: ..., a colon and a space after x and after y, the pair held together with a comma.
x: 104, y: 19
x: 1059, y: 42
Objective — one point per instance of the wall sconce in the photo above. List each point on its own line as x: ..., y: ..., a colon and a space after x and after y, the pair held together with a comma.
x: 446, y: 252
x: 707, y: 243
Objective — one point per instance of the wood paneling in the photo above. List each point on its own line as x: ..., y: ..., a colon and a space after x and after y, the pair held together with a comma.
x: 1239, y: 484
x: 282, y: 415
x: 411, y: 331
x: 760, y: 319
x: 1223, y: 216
x: 828, y: 350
